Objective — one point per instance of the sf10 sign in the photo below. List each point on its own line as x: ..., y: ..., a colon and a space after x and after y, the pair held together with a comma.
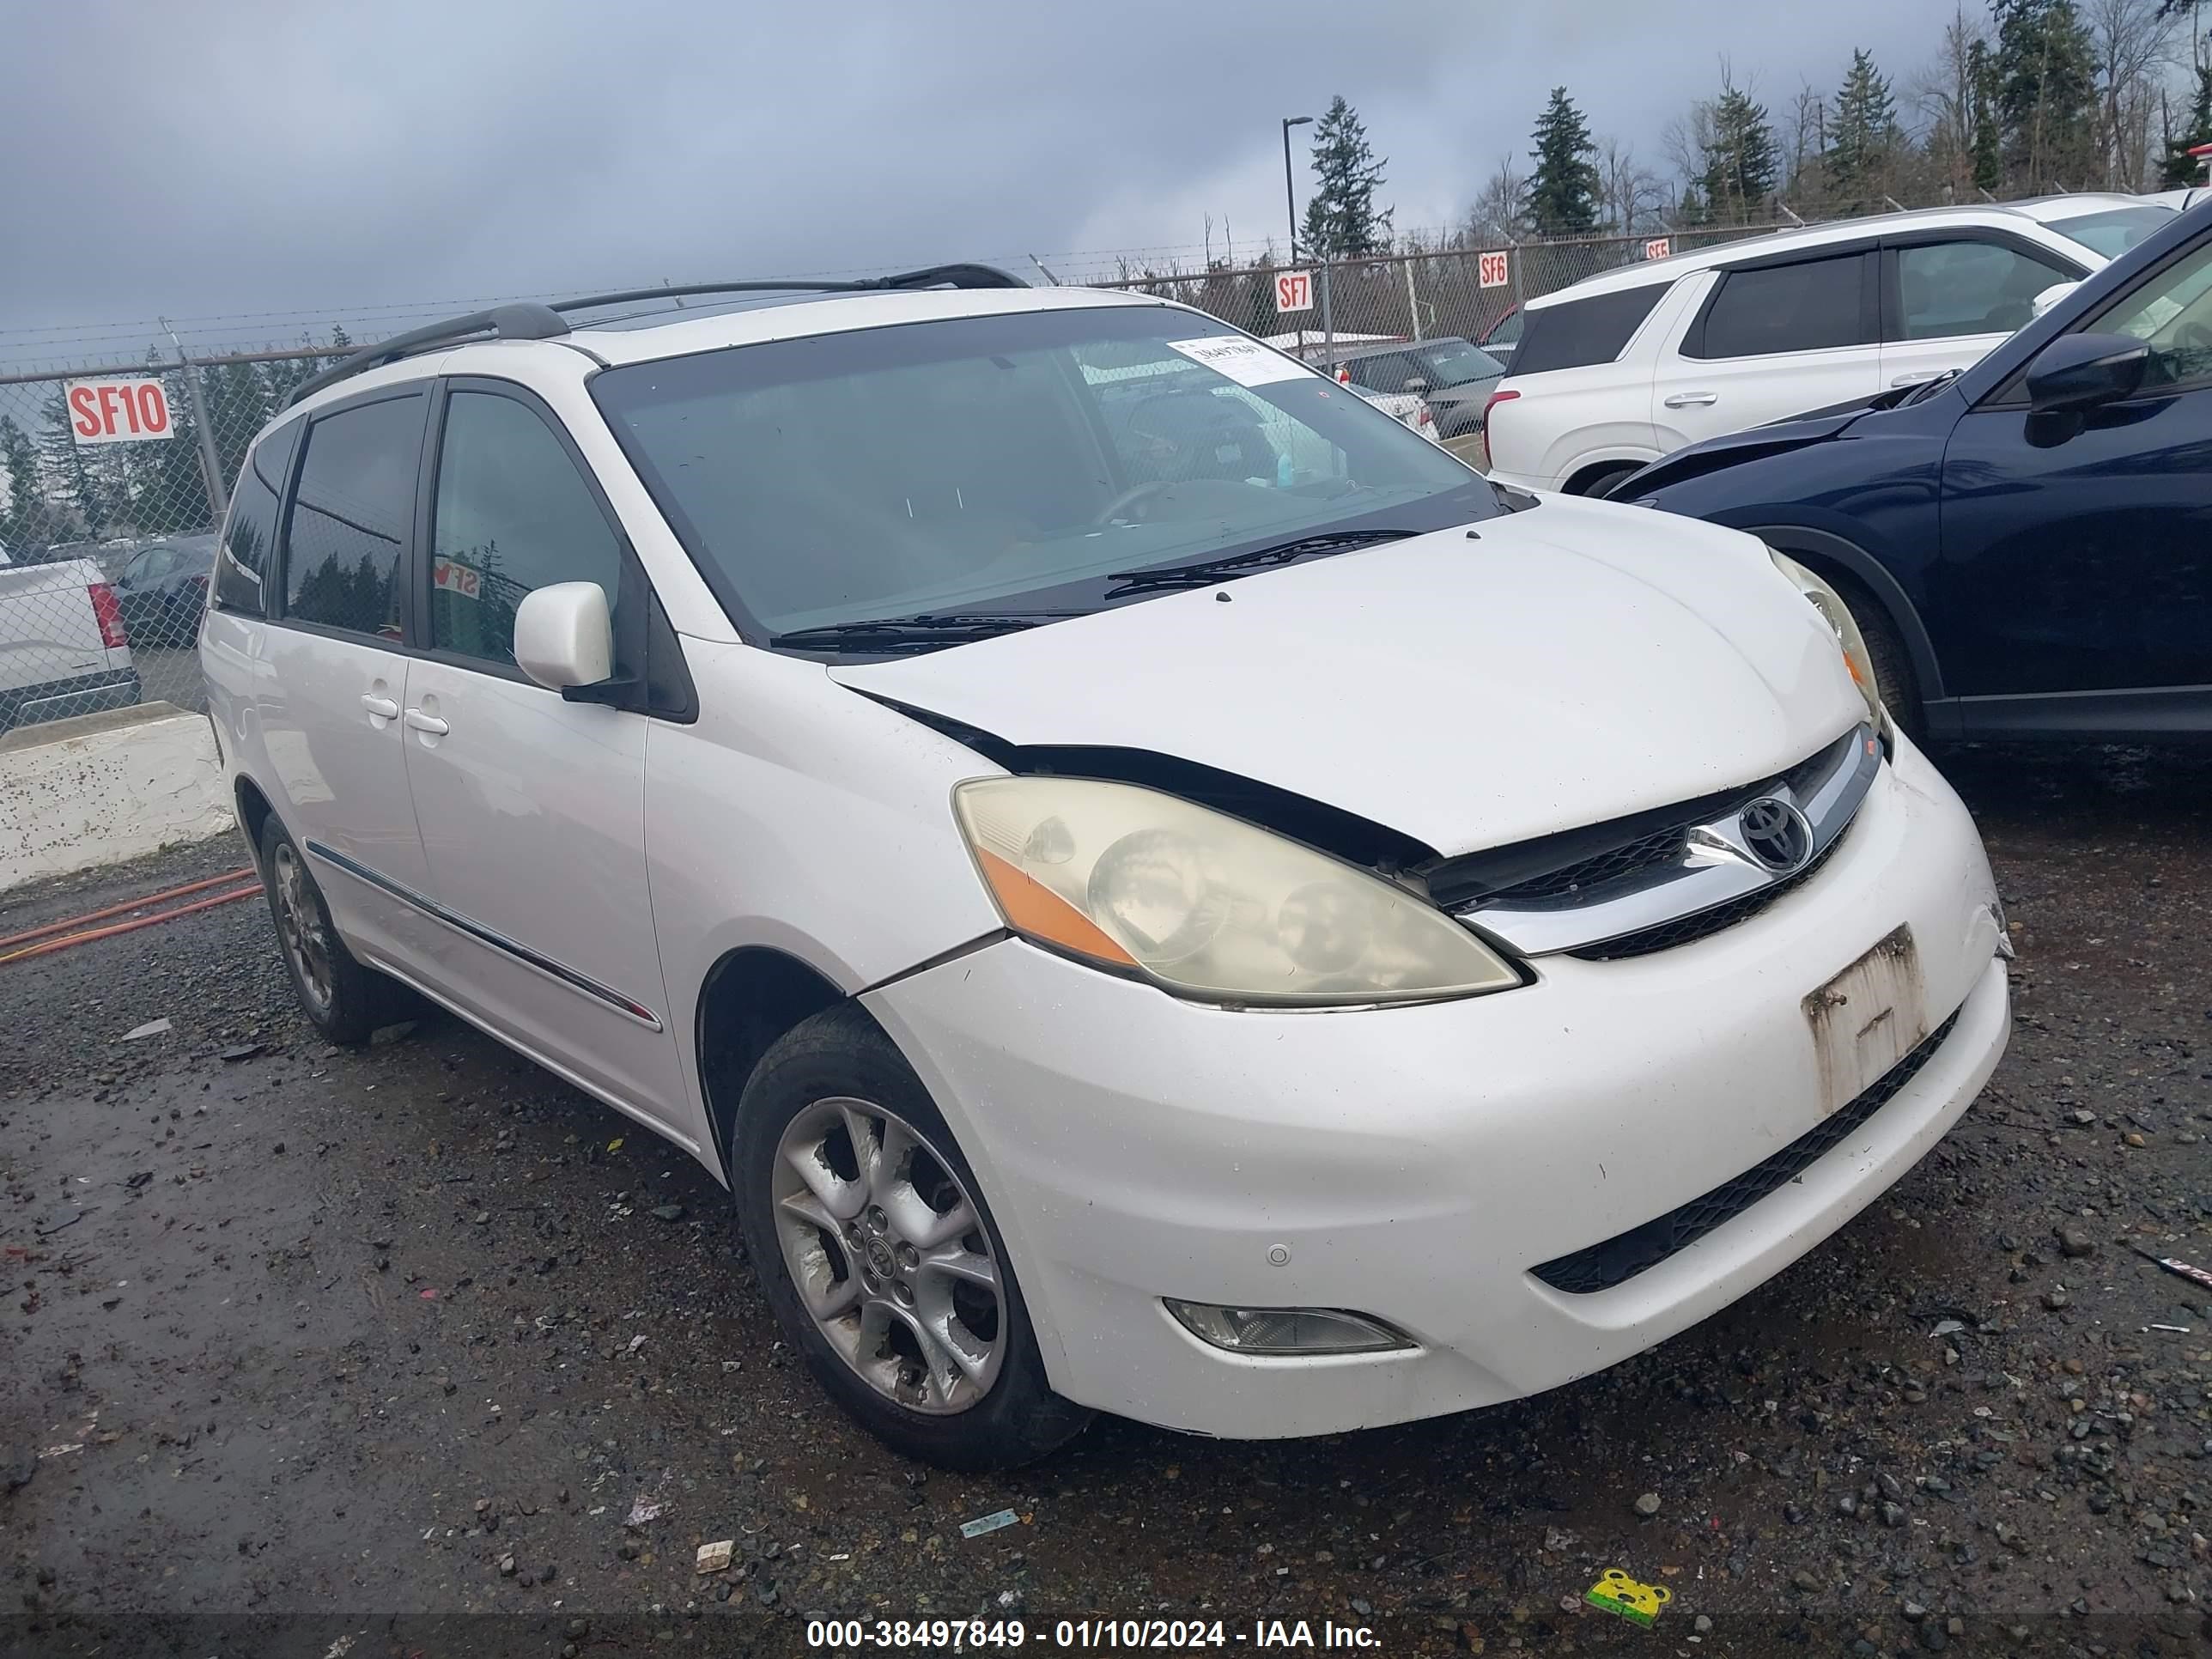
x: 1493, y: 269
x: 1294, y: 290
x: 118, y: 411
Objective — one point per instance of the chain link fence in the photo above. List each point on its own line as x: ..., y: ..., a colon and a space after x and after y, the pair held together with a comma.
x: 113, y: 479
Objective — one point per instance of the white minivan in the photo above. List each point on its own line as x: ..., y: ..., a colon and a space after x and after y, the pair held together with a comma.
x: 1158, y: 890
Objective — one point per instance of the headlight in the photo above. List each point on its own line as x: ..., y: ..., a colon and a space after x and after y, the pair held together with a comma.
x: 1830, y: 604
x: 1204, y: 904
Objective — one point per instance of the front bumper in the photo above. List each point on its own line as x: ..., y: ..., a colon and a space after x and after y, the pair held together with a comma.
x: 1414, y: 1164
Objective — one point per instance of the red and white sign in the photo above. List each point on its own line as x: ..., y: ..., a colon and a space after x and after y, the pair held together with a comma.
x: 118, y: 411
x: 1658, y: 248
x: 1493, y: 269
x: 452, y: 576
x: 1294, y: 290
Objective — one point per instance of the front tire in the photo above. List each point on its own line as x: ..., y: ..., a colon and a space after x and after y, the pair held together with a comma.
x: 343, y: 1000
x: 1893, y: 663
x: 878, y: 1253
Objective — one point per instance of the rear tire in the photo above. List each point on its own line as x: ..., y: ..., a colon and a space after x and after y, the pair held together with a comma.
x: 346, y: 1002
x: 844, y: 1172
x: 1600, y: 485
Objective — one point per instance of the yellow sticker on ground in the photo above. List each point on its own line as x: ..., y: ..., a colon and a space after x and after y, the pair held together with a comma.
x: 1628, y: 1598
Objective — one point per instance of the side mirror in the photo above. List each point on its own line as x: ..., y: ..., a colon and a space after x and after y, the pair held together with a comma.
x: 1416, y: 385
x: 2050, y: 297
x: 563, y: 635
x: 2082, y: 371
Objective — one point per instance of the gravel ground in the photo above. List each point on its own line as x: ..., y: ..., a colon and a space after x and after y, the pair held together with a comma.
x: 312, y: 1352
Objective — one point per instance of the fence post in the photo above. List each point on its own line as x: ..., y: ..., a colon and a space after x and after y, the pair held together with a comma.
x: 210, y: 459
x: 1328, y: 320
x: 1412, y: 298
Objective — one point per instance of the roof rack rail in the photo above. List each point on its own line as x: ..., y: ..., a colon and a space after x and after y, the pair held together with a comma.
x: 531, y: 321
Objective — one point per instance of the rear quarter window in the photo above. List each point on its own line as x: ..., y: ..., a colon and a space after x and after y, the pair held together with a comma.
x: 242, y: 563
x: 1576, y: 333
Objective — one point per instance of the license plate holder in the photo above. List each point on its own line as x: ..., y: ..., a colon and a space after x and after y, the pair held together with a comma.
x: 1867, y: 1018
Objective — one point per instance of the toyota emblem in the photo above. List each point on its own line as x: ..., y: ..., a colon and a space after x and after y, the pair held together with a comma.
x: 1776, y: 833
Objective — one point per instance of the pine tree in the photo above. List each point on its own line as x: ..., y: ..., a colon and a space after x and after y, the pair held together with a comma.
x: 1341, y: 219
x: 30, y: 522
x: 1864, y: 138
x: 2047, y: 91
x: 1563, y: 190
x: 75, y: 491
x: 1740, y: 158
x: 2180, y: 168
x: 1989, y: 154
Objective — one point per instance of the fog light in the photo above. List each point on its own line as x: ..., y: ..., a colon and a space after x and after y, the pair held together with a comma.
x: 1285, y: 1330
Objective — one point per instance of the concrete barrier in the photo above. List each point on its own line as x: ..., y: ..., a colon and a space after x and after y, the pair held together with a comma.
x: 101, y: 789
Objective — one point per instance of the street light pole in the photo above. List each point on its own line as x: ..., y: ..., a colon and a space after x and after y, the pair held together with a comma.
x: 1290, y: 193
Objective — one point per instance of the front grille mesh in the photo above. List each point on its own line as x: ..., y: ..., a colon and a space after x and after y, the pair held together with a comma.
x: 1631, y: 859
x: 1620, y: 1258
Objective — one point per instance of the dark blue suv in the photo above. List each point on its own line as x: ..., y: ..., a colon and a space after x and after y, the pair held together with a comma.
x: 2028, y: 544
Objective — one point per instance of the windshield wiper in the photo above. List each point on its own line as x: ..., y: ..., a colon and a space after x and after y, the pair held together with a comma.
x: 927, y: 632
x: 1208, y: 571
x: 1929, y: 388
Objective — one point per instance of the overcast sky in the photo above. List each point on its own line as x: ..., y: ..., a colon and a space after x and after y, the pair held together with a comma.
x: 219, y: 157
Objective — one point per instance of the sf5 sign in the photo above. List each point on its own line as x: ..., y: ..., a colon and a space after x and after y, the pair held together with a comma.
x: 118, y: 411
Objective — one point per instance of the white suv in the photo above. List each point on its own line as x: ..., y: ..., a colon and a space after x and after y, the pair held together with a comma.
x: 1158, y: 890
x: 1624, y: 367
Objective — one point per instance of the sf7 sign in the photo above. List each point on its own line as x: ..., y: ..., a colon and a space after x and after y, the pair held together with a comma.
x: 1294, y: 290
x: 118, y: 411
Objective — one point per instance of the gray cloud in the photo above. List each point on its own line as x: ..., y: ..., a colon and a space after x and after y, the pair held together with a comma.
x: 249, y: 156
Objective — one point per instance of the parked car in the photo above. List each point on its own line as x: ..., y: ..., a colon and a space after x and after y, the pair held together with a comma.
x: 1402, y: 407
x: 1241, y: 924
x: 1453, y: 378
x: 1631, y: 365
x: 2025, y: 545
x: 63, y: 649
x: 163, y: 589
x: 1502, y: 337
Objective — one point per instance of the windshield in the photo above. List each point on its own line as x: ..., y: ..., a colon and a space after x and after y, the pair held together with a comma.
x: 1008, y: 463
x: 2114, y: 232
x: 1455, y: 363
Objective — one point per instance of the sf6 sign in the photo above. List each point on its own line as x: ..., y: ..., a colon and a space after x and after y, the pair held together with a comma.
x: 1493, y: 271
x: 118, y: 411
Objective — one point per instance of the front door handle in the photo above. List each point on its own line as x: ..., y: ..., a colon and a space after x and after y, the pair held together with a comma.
x: 1692, y: 399
x: 383, y: 708
x: 419, y: 721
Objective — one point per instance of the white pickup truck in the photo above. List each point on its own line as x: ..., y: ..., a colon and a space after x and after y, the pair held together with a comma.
x: 63, y: 647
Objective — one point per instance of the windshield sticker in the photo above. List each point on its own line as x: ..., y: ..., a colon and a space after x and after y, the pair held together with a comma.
x: 1245, y: 361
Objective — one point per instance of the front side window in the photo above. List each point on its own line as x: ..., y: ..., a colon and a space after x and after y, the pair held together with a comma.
x: 1024, y: 462
x: 349, y: 517
x: 251, y: 530
x: 1950, y: 289
x: 2174, y: 311
x: 1814, y: 305
x: 513, y: 513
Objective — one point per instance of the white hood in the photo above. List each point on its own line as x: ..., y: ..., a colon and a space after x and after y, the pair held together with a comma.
x: 1573, y: 663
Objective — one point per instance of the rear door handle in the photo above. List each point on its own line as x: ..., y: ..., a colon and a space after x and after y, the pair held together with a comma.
x: 383, y: 708
x: 419, y: 721
x: 1692, y: 399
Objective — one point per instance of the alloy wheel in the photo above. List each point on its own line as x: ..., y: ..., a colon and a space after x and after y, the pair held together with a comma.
x: 300, y: 920
x: 890, y: 1255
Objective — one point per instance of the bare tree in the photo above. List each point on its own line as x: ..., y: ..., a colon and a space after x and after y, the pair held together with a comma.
x: 1944, y: 96
x: 1630, y: 195
x: 1804, y: 180
x: 2133, y: 43
x: 1499, y: 213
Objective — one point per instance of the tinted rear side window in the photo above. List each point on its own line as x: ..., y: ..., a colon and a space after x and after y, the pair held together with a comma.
x: 251, y: 531
x: 1578, y: 332
x: 1811, y: 306
x: 349, y: 517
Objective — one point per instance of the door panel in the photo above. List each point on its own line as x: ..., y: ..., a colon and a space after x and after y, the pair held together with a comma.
x: 532, y: 819
x: 2078, y: 560
x: 1768, y: 342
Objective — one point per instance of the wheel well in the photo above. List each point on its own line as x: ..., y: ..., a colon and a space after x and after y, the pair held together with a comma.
x: 752, y: 997
x: 1581, y: 482
x: 1851, y: 568
x: 253, y: 810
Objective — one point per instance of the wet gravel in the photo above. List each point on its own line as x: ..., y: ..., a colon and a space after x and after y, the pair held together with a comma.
x: 394, y: 1352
